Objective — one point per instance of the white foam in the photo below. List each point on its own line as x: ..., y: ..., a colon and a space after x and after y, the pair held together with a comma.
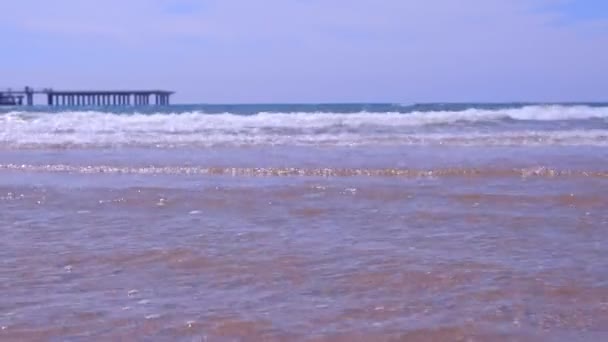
x: 536, y: 171
x: 99, y: 129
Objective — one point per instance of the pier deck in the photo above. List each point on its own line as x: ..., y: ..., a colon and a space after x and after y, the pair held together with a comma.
x: 74, y: 98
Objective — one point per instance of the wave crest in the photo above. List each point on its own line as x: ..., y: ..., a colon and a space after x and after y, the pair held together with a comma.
x: 467, y: 127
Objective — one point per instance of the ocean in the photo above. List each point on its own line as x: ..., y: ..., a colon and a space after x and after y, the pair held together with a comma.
x: 319, y: 222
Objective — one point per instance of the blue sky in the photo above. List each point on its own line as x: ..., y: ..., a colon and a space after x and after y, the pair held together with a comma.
x: 227, y: 51
x: 581, y: 10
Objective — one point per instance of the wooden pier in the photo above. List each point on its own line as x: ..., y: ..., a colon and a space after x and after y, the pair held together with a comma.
x: 91, y: 98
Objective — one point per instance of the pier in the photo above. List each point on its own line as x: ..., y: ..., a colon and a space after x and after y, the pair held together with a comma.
x: 8, y: 99
x: 82, y: 98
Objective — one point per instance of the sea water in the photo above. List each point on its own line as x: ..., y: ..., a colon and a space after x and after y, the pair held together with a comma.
x: 323, y: 222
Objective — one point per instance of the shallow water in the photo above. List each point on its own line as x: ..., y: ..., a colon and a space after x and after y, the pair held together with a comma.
x: 291, y: 242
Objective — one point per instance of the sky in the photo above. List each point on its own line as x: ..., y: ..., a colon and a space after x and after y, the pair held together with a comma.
x: 312, y: 51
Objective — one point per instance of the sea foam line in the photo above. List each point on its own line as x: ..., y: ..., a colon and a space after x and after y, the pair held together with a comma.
x: 540, y: 171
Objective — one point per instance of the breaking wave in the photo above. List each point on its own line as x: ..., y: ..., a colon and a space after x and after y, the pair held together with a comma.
x: 531, y: 125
